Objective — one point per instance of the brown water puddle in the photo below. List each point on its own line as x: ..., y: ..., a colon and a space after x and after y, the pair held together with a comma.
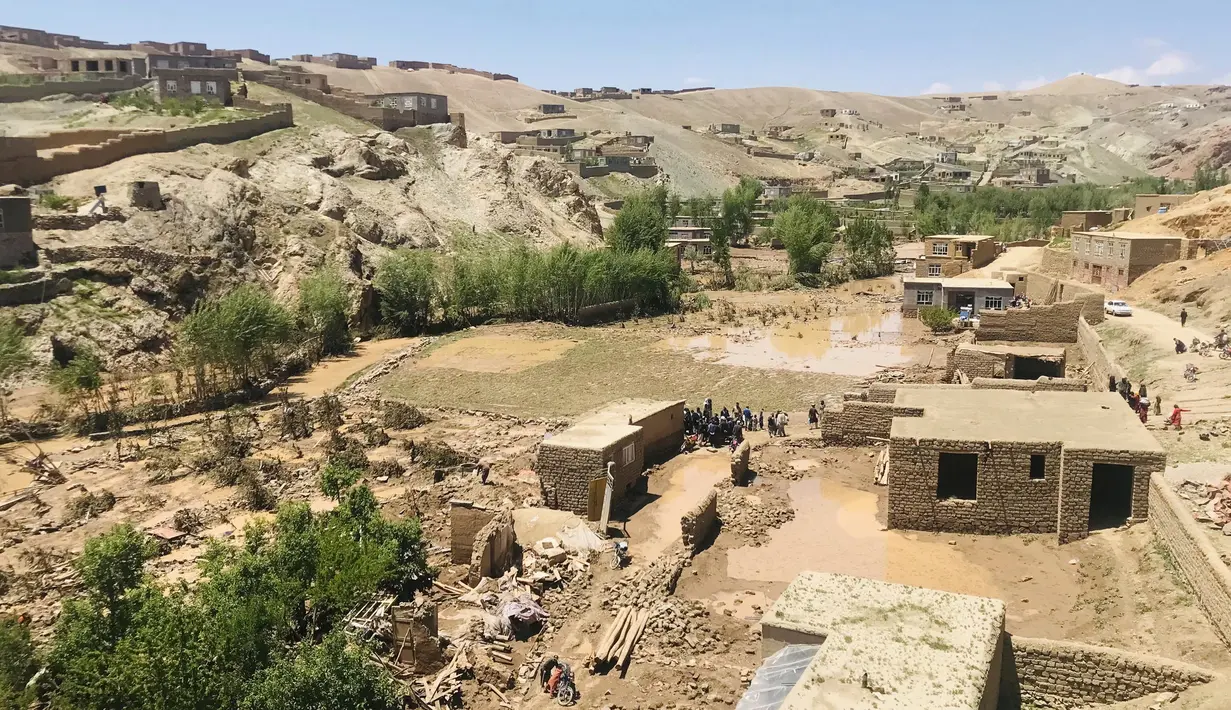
x: 855, y: 345
x: 835, y: 530
x: 496, y: 353
x: 690, y: 482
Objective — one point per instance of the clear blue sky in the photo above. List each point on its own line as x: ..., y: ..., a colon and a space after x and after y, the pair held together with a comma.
x: 887, y: 46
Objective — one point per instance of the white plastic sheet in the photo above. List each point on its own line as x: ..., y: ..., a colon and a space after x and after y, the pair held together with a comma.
x: 776, y: 677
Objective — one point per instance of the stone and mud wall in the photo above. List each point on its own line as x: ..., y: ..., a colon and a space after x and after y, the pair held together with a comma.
x: 1193, y: 553
x: 1077, y: 477
x: 1006, y: 500
x: 697, y: 523
x: 859, y: 423
x: 1101, y: 364
x: 21, y: 163
x: 565, y: 473
x: 1056, y: 323
x: 34, y: 92
x: 739, y: 463
x: 493, y: 549
x: 1065, y: 675
x: 465, y: 521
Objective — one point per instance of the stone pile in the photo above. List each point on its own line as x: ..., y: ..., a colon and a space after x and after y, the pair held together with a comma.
x: 649, y: 585
x: 752, y: 517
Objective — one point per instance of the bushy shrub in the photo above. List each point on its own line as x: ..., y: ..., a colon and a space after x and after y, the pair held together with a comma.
x: 322, y: 312
x: 938, y: 318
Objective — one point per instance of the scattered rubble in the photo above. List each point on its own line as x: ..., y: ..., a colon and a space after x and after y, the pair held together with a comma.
x: 753, y: 517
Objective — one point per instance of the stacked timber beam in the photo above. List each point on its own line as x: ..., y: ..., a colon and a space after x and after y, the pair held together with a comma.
x: 616, y: 648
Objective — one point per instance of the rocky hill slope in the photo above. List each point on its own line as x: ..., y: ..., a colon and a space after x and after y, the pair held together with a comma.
x: 271, y: 210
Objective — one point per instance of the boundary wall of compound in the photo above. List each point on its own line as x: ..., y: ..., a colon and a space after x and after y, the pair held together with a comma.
x: 20, y: 161
x: 1066, y: 674
x: 1100, y: 363
x: 34, y: 92
x: 1193, y: 553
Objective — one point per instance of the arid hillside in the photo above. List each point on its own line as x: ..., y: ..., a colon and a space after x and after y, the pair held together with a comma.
x: 1107, y: 131
x: 273, y: 209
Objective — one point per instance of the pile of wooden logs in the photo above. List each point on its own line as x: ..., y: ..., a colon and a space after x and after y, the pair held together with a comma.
x: 446, y: 686
x: 616, y: 648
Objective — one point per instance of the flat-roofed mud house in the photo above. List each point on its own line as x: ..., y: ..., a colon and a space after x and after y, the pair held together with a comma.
x: 1116, y: 259
x: 955, y: 294
x: 951, y: 254
x: 572, y: 464
x: 870, y: 644
x: 1085, y: 220
x: 1005, y: 461
x: 1144, y: 205
x: 1010, y: 362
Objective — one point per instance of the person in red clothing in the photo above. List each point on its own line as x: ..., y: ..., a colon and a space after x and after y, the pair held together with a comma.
x: 1174, y: 419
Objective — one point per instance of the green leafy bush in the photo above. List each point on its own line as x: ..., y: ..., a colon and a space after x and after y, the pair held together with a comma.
x: 938, y: 318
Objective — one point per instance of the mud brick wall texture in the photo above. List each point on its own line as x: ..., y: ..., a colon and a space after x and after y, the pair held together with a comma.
x: 739, y: 463
x: 1063, y: 675
x: 1193, y: 553
x: 1102, y: 365
x: 1075, y: 486
x: 492, y: 551
x: 855, y: 423
x: 465, y: 522
x: 978, y: 364
x: 663, y: 432
x: 1043, y: 384
x: 565, y: 472
x: 1042, y: 324
x: 695, y: 525
x: 1006, y: 500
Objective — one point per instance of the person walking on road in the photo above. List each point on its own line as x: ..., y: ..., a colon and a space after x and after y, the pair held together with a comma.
x: 1183, y: 316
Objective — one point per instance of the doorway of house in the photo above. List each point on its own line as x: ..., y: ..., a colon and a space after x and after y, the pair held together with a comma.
x: 963, y: 300
x: 1111, y: 495
x: 1032, y: 368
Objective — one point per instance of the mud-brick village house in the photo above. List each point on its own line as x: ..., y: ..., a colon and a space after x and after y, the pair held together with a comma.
x: 999, y: 461
x: 572, y: 464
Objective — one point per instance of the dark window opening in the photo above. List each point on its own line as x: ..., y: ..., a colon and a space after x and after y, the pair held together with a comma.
x: 76, y: 65
x: 108, y: 65
x: 91, y: 65
x: 123, y: 67
x: 1111, y: 495
x: 958, y: 476
x: 1038, y: 466
x: 1032, y: 368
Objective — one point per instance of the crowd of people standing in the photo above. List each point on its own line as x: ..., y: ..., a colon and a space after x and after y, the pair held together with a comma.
x: 724, y: 427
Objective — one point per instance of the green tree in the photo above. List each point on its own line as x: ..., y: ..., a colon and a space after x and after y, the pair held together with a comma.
x: 81, y: 380
x: 15, y: 357
x: 337, y: 477
x: 406, y: 284
x: 240, y: 334
x: 640, y: 224
x: 112, y: 565
x: 327, y: 676
x: 869, y: 248
x: 806, y: 230
x: 322, y: 311
x: 17, y: 664
x: 1207, y: 177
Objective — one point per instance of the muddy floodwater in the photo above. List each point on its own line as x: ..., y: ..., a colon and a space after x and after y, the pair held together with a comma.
x: 856, y: 345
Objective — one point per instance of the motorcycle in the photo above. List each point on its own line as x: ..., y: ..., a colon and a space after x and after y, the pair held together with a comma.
x: 1190, y: 372
x: 565, y: 689
x: 1224, y: 353
x: 619, y: 554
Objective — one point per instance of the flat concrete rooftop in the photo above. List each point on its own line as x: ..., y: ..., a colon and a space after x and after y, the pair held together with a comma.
x: 591, y: 435
x: 1132, y: 235
x: 629, y: 410
x: 920, y: 648
x: 958, y: 282
x: 1081, y: 420
x: 1017, y: 350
